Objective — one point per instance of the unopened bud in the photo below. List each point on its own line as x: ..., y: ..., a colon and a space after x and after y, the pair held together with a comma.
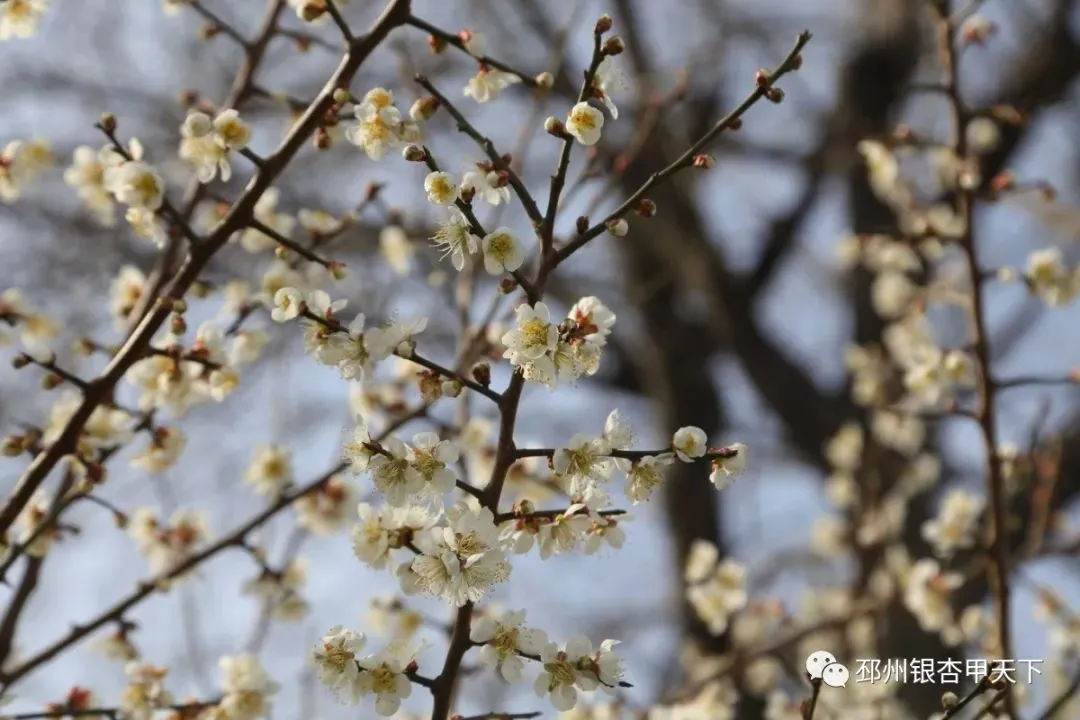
x: 617, y: 227
x: 545, y: 80
x: 341, y: 96
x: 436, y: 43
x: 208, y: 31
x: 51, y: 381
x: 121, y: 520
x: 582, y: 224
x: 189, y: 98
x: 481, y: 373
x: 949, y: 700
x: 337, y: 270
x: 762, y: 77
x: 13, y: 446
x: 83, y: 347
x: 704, y: 161
x: 199, y: 289
x: 508, y: 285
x: 1003, y: 181
x: 311, y: 11
x: 424, y: 108
x: 406, y: 348
x: 178, y: 326
x: 108, y: 122
x: 452, y: 388
x: 525, y: 506
x: 613, y: 46
x: 645, y: 208
x: 281, y: 252
x: 775, y: 95
x: 414, y: 153
x: 322, y: 139
x: 179, y: 306
x: 734, y: 123
x: 976, y: 30
x: 603, y: 24
x: 555, y: 127
x: 20, y: 361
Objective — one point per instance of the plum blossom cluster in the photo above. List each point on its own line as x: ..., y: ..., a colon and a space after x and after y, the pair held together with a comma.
x: 547, y: 352
x: 207, y: 143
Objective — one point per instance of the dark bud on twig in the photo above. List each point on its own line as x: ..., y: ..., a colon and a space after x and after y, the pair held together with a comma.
x: 602, y: 25
x: 645, y: 208
x: 508, y: 285
x: 775, y: 95
x: 322, y: 139
x: 582, y: 224
x: 189, y: 98
x: 949, y: 700
x: 312, y: 11
x: 481, y: 373
x: 51, y: 381
x: 20, y: 361
x: 108, y: 122
x: 735, y: 124
x: 436, y: 43
x: 208, y: 31
x: 762, y: 77
x: 704, y: 162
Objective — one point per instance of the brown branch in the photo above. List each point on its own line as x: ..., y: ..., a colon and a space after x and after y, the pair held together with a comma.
x: 238, y: 538
x: 790, y: 63
x: 986, y: 388
x: 456, y: 41
x: 394, y: 15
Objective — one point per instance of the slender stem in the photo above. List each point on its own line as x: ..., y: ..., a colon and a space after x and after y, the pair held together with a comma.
x: 485, y: 143
x: 339, y: 20
x: 558, y: 180
x: 986, y: 388
x: 286, y: 242
x: 455, y: 40
x: 687, y: 158
x: 394, y: 15
x: 478, y: 230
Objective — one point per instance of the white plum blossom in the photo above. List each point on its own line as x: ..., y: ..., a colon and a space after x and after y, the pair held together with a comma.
x: 335, y: 659
x: 488, y: 83
x: 585, y: 123
x: 504, y: 636
x: 726, y: 469
x: 380, y: 126
x: 383, y: 675
x: 270, y: 471
x: 19, y: 18
x: 609, y: 77
x: 956, y: 524
x: 441, y: 188
x: 247, y: 688
x: 502, y: 251
x: 87, y: 176
x: 689, y: 443
x: 487, y: 185
x: 533, y: 336
x: 456, y: 239
x: 206, y: 144
x: 461, y: 560
x: 645, y: 475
